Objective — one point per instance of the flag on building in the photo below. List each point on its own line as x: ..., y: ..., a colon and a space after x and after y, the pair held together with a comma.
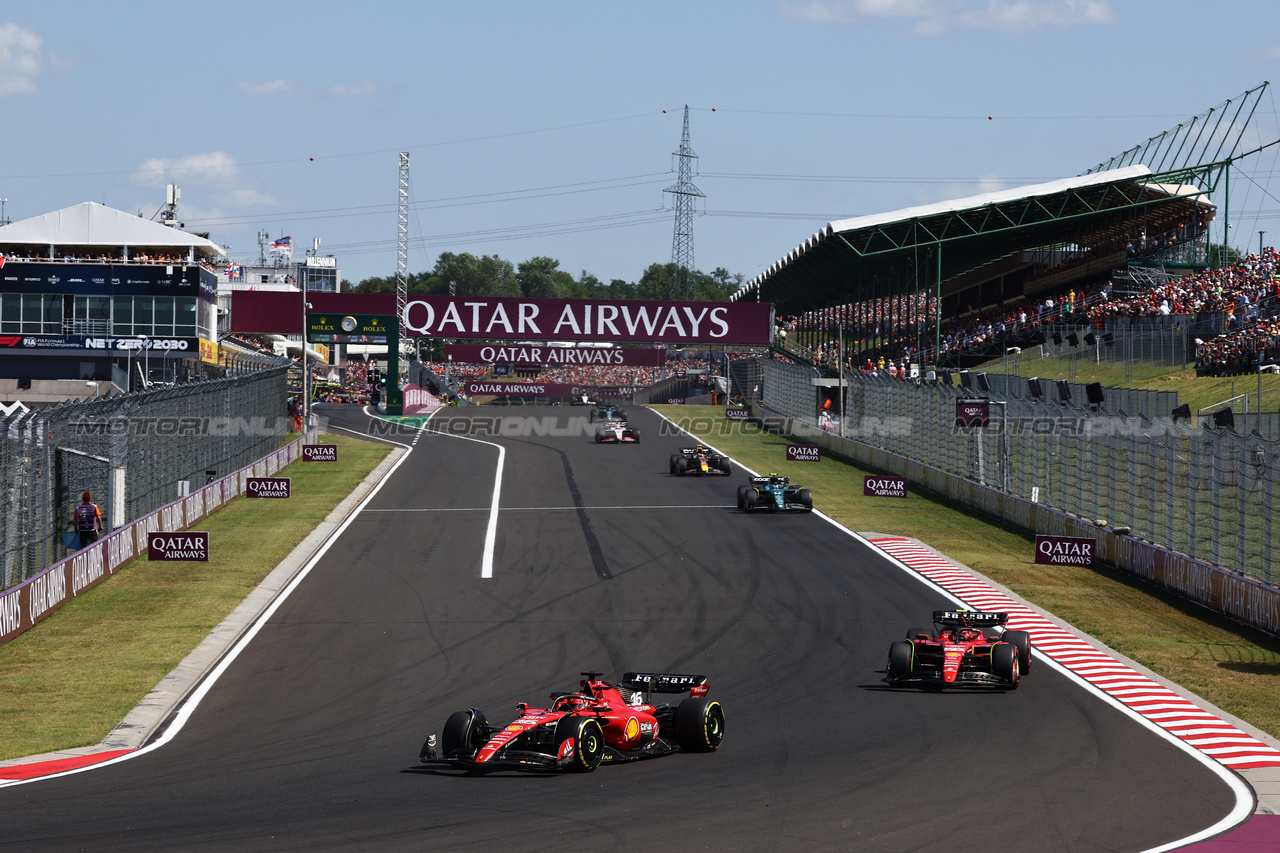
x: 283, y: 246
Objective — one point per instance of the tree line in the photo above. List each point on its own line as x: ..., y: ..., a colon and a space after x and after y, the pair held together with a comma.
x: 490, y: 275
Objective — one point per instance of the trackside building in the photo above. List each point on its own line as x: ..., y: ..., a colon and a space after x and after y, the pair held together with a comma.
x: 90, y: 293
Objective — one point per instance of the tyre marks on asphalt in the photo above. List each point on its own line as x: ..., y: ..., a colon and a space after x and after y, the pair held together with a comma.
x: 1177, y: 715
x: 598, y: 561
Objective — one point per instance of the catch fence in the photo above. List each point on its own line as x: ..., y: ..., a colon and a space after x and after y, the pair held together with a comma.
x: 132, y: 452
x: 1208, y: 493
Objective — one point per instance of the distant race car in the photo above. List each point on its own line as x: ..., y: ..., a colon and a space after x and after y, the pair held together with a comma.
x: 965, y: 648
x: 615, y: 430
x: 606, y: 412
x: 699, y: 461
x: 578, y: 731
x: 774, y: 493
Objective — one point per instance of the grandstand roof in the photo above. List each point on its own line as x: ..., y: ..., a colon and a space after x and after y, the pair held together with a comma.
x: 96, y: 225
x: 898, y: 251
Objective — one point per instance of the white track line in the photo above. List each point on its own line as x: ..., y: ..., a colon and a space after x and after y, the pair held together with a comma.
x: 1244, y: 794
x: 187, y: 708
x: 553, y: 508
x: 491, y: 532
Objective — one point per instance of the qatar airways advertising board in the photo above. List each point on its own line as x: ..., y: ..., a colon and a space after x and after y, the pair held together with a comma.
x: 517, y: 354
x: 501, y: 318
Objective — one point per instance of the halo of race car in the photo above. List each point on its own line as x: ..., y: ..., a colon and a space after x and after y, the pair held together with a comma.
x: 601, y: 722
x: 966, y: 648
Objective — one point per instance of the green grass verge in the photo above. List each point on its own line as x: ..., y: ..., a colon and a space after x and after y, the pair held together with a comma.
x: 74, y: 677
x: 1234, y: 667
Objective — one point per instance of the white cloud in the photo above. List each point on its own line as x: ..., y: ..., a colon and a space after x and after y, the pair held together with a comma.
x: 245, y: 197
x: 20, y: 60
x: 932, y: 17
x: 1269, y: 53
x: 216, y: 169
x: 355, y: 88
x: 281, y: 86
x: 214, y: 175
x: 285, y: 87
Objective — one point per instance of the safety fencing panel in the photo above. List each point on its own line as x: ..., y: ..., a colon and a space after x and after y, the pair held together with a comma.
x: 787, y: 388
x: 132, y: 453
x: 33, y: 600
x: 1208, y: 493
x: 746, y: 375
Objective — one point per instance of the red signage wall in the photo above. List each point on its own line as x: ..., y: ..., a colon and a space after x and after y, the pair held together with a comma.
x: 556, y: 356
x: 501, y: 318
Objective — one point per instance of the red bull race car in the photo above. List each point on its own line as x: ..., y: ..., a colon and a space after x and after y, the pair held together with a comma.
x: 965, y: 648
x: 579, y: 731
x: 615, y: 430
x: 699, y: 461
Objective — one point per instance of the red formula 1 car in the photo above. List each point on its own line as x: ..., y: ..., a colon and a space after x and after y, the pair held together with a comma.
x: 578, y: 731
x: 966, y: 648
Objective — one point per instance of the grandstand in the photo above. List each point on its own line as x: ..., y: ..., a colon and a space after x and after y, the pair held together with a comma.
x: 957, y: 282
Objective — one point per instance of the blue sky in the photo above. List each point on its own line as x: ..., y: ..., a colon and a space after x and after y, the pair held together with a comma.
x: 539, y: 128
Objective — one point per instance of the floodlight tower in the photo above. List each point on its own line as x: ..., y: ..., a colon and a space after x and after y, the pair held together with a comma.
x: 685, y: 193
x: 402, y: 243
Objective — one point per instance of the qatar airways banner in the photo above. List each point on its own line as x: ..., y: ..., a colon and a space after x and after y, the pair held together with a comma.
x: 588, y: 320
x: 520, y: 389
x: 522, y: 354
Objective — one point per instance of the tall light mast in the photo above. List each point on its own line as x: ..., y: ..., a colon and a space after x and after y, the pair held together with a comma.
x: 402, y: 248
x: 402, y: 237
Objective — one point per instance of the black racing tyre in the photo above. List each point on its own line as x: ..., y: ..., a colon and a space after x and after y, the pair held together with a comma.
x: 588, y: 742
x: 806, y: 499
x: 1004, y: 664
x: 742, y: 497
x: 591, y: 417
x: 460, y: 731
x: 725, y: 467
x: 699, y: 725
x: 635, y: 433
x: 1021, y: 640
x: 751, y: 497
x: 599, y: 436
x: 675, y: 457
x: 682, y: 465
x: 901, y: 658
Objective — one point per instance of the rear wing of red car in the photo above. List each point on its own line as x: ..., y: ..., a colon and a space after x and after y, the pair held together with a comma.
x: 653, y: 682
x: 970, y: 618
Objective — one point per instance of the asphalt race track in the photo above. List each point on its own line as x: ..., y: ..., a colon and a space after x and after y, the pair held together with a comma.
x: 309, y: 741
